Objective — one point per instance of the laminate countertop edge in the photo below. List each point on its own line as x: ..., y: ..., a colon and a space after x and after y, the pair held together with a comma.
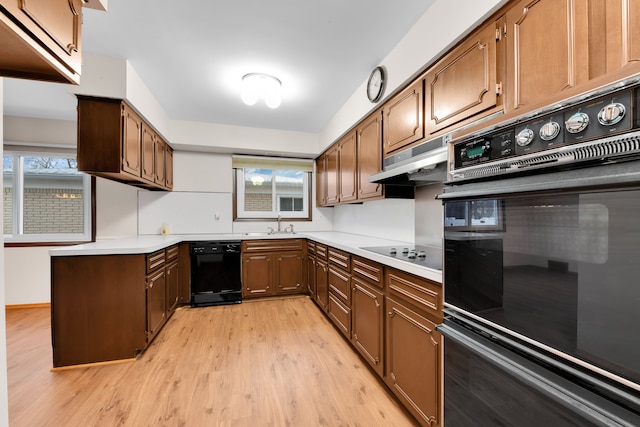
x: 352, y: 243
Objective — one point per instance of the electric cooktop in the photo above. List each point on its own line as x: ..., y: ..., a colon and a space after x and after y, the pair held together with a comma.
x: 426, y: 256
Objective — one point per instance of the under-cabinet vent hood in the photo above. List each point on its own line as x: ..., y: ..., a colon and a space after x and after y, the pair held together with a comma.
x: 420, y: 165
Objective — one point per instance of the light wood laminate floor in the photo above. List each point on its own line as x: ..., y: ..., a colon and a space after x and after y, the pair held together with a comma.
x: 262, y: 363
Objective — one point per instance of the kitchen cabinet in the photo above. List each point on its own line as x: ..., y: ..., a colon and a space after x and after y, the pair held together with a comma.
x: 41, y: 40
x: 369, y: 156
x: 98, y: 308
x: 322, y: 277
x: 347, y: 167
x: 414, y: 307
x: 467, y: 82
x: 332, y: 175
x: 184, y: 274
x: 159, y: 161
x: 321, y: 180
x: 547, y: 50
x: 148, y: 151
x: 339, y: 283
x: 115, y: 142
x: 172, y: 271
x: 616, y: 44
x: 156, y: 283
x: 272, y: 267
x: 311, y: 269
x: 403, y: 118
x: 367, y: 312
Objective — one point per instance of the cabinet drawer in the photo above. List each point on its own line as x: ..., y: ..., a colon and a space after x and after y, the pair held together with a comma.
x: 367, y: 270
x: 340, y: 314
x: 321, y: 251
x: 155, y: 261
x: 340, y: 259
x: 172, y: 252
x: 419, y: 292
x: 275, y: 245
x: 340, y: 284
x: 311, y: 247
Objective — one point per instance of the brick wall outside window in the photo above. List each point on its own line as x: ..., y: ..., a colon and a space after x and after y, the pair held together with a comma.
x: 47, y: 210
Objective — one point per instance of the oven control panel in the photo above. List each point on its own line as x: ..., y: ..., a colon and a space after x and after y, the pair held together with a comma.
x: 591, y: 120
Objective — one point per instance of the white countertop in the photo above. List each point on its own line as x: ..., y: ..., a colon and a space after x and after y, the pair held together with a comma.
x: 345, y: 241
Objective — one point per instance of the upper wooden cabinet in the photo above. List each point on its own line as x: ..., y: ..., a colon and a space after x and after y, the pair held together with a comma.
x: 41, y: 39
x: 115, y: 142
x: 347, y: 165
x: 403, y: 117
x: 547, y: 49
x: 321, y: 180
x: 467, y: 81
x: 369, y: 156
x: 332, y: 175
x: 617, y: 44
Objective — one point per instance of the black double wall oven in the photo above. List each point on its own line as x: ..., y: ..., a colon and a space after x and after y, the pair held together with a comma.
x: 542, y: 269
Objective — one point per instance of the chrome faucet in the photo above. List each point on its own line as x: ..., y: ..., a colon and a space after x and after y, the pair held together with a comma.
x: 279, y: 219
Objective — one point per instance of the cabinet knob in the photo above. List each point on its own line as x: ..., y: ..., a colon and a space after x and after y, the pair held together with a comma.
x: 377, y: 303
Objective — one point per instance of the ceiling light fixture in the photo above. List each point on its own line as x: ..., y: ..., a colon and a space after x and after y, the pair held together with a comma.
x: 258, y: 85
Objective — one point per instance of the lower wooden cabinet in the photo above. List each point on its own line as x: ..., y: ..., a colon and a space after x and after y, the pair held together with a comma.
x: 311, y: 276
x: 413, y: 362
x: 340, y: 314
x: 322, y: 284
x: 130, y: 298
x: 273, y: 267
x: 367, y: 323
x: 156, y: 302
x: 257, y: 275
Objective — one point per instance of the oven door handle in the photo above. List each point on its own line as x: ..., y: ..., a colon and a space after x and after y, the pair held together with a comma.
x: 577, y: 399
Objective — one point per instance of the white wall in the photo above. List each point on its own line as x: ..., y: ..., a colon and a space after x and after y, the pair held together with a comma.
x: 387, y: 219
x: 116, y: 209
x: 27, y: 275
x: 4, y: 398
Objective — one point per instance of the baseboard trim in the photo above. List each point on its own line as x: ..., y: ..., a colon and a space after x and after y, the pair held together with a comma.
x: 89, y: 365
x: 37, y: 305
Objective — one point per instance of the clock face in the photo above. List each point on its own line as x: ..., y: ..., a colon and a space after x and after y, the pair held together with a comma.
x: 375, y: 85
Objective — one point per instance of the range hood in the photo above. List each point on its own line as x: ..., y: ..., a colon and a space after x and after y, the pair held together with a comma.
x: 420, y: 165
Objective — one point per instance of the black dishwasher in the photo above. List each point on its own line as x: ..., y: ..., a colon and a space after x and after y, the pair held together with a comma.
x: 215, y: 273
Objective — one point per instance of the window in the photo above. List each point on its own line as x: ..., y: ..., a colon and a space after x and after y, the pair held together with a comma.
x: 45, y: 198
x: 268, y: 187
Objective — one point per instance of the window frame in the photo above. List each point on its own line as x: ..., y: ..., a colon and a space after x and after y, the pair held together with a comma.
x: 241, y: 215
x: 242, y: 162
x: 57, y: 239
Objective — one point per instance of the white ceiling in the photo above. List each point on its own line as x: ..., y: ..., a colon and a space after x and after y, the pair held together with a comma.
x: 192, y: 56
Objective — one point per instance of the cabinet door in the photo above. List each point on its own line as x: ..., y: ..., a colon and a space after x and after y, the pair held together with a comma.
x: 367, y: 320
x: 289, y: 272
x: 322, y: 284
x: 173, y: 283
x: 369, y: 155
x: 148, y: 153
x: 41, y: 39
x: 347, y: 163
x: 332, y: 175
x: 184, y: 272
x: 131, y: 141
x: 321, y: 181
x: 156, y: 303
x: 168, y: 167
x: 463, y: 83
x: 413, y: 362
x: 340, y: 315
x: 311, y: 276
x: 547, y: 50
x: 159, y: 162
x: 257, y: 275
x: 615, y: 44
x: 403, y: 117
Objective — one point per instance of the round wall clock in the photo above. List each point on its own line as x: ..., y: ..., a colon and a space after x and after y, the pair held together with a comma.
x: 375, y: 85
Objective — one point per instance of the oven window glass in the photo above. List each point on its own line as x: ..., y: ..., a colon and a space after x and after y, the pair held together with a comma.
x: 563, y: 271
